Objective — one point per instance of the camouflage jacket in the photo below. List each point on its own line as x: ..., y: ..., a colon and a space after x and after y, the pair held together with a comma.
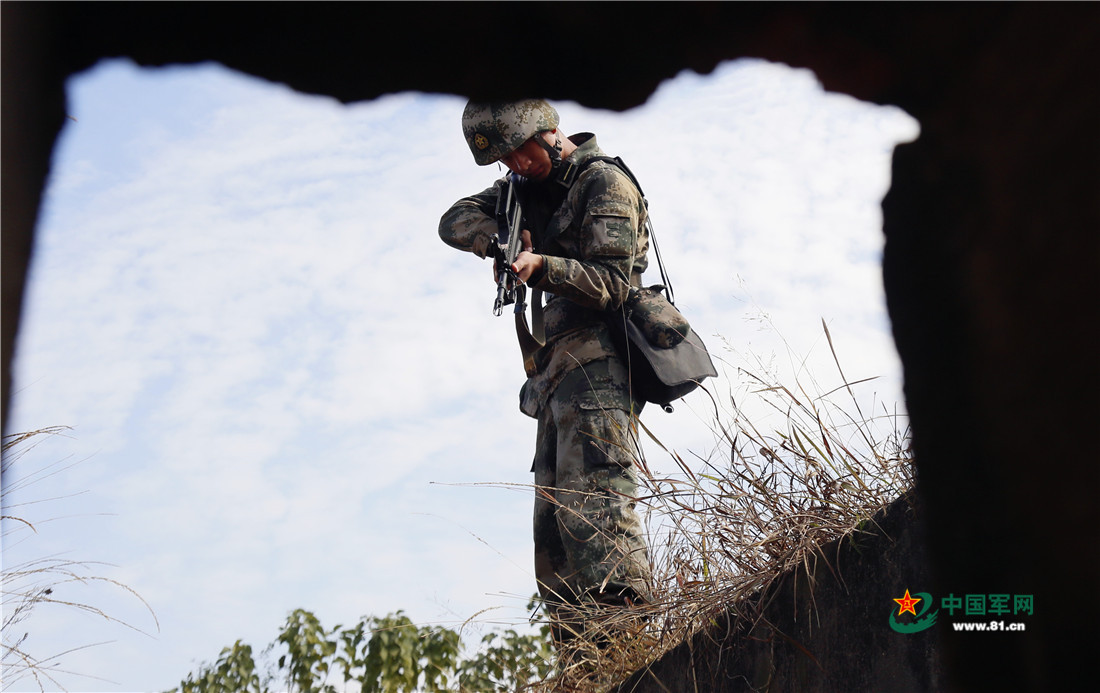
x: 594, y: 242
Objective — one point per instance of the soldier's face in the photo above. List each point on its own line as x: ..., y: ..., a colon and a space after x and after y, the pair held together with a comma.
x: 531, y: 160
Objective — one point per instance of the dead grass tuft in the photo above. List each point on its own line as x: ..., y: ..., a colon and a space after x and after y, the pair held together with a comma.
x: 41, y: 583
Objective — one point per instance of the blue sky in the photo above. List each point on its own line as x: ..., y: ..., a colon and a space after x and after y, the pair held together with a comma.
x: 285, y: 391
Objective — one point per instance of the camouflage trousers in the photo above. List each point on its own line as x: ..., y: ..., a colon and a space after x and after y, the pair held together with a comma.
x: 590, y: 550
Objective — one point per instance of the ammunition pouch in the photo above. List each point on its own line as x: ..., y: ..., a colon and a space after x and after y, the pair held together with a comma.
x: 667, y: 360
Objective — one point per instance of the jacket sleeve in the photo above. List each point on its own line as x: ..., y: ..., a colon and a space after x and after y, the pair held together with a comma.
x: 471, y: 222
x: 611, y: 243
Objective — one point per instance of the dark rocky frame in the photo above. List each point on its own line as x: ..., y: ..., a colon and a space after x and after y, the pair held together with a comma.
x: 992, y: 243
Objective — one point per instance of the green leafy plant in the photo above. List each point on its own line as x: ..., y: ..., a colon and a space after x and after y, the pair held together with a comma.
x: 233, y: 672
x: 388, y: 654
x: 309, y: 653
x: 508, y: 661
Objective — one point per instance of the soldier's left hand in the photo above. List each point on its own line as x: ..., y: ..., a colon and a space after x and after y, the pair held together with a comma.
x: 526, y: 265
x: 527, y: 262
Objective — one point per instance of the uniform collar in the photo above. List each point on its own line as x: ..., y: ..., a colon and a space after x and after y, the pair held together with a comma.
x: 571, y: 165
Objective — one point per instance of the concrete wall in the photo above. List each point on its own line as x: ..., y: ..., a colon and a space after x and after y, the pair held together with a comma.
x: 822, y: 628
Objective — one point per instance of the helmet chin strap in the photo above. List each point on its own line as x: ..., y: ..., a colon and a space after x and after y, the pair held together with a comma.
x: 554, y: 150
x: 561, y: 172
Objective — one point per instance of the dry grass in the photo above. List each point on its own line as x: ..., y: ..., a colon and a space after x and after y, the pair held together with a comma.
x: 40, y: 583
x: 726, y: 526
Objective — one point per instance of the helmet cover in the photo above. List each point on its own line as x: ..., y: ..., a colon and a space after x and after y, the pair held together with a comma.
x: 493, y: 130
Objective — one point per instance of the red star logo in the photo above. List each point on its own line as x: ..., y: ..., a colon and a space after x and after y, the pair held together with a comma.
x: 907, y: 603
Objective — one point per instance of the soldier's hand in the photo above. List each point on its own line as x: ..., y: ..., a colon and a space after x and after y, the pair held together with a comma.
x: 527, y: 262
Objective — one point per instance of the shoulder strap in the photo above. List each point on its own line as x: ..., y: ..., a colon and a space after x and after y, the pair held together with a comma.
x: 618, y: 161
x: 615, y: 161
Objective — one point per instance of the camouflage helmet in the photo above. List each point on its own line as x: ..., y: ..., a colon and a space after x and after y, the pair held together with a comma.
x: 496, y: 129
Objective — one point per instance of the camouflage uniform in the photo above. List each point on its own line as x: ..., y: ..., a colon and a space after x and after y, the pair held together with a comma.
x: 589, y: 543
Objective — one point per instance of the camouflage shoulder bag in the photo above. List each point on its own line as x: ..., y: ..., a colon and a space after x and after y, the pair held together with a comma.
x: 666, y: 358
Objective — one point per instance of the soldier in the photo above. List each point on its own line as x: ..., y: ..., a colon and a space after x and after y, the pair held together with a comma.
x: 585, y: 245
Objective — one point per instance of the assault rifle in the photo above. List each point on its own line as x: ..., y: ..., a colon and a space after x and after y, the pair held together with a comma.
x: 505, y: 246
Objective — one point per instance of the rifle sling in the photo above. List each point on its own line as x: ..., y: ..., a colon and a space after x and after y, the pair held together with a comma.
x: 531, y: 339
